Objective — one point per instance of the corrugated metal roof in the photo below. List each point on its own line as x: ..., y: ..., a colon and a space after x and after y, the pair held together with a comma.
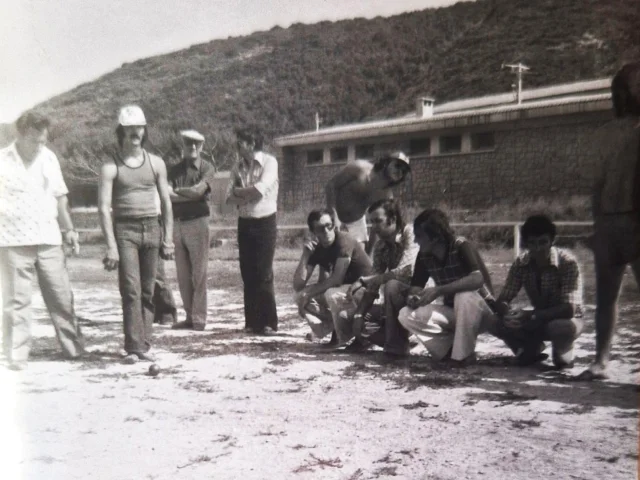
x: 491, y: 105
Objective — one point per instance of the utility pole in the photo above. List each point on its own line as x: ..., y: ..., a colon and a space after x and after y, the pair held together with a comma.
x: 317, y: 121
x: 518, y: 69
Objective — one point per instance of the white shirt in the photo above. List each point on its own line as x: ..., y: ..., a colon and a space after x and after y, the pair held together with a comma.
x: 263, y: 175
x: 28, y: 199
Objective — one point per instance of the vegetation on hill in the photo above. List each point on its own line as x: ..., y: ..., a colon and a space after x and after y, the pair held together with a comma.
x: 347, y: 71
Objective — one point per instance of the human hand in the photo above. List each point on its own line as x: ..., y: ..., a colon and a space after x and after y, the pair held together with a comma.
x: 166, y: 251
x: 111, y: 259
x: 516, y: 319
x: 72, y: 238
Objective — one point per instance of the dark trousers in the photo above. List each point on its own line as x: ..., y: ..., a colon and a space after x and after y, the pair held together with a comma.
x: 257, y: 246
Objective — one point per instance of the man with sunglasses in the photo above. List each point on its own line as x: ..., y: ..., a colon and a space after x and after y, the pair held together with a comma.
x: 359, y: 184
x: 190, y: 184
x: 552, y: 281
x: 342, y: 260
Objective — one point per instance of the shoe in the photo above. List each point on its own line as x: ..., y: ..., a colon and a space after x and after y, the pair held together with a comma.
x: 358, y: 346
x: 465, y: 362
x: 18, y: 366
x: 560, y: 365
x: 130, y: 359
x: 182, y: 326
x: 198, y: 327
x: 528, y: 358
x: 145, y: 357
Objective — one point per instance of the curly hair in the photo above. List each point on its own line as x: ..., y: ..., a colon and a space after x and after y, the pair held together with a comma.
x: 251, y: 134
x: 391, y: 209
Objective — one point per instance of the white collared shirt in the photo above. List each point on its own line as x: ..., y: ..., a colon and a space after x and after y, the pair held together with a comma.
x: 28, y: 198
x: 263, y: 175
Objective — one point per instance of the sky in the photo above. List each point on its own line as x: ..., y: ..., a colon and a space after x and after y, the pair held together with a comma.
x: 50, y: 46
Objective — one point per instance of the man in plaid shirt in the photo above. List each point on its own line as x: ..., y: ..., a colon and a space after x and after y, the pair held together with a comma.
x: 394, y: 255
x: 552, y: 281
x: 461, y: 280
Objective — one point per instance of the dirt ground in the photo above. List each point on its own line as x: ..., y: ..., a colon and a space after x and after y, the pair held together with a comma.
x: 228, y: 405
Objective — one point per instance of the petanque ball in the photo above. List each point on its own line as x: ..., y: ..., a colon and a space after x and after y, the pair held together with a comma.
x: 154, y: 370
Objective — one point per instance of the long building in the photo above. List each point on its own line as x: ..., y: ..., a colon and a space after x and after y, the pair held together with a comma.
x: 468, y: 153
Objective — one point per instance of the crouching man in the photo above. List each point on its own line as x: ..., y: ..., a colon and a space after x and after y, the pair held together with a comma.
x: 552, y: 281
x: 461, y: 278
x: 342, y: 260
x: 394, y: 255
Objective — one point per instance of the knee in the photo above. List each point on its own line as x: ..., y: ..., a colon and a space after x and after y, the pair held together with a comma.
x: 405, y: 317
x: 394, y: 291
x: 561, y: 330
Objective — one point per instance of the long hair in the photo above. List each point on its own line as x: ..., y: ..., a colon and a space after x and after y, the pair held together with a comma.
x: 120, y: 135
x: 434, y: 223
x: 625, y: 90
x: 392, y: 211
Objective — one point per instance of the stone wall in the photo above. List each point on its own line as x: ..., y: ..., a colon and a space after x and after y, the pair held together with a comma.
x: 538, y: 157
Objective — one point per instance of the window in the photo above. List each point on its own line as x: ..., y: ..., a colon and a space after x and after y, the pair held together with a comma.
x: 420, y: 146
x: 482, y: 141
x: 364, y: 152
x: 314, y: 157
x: 450, y: 144
x: 339, y: 155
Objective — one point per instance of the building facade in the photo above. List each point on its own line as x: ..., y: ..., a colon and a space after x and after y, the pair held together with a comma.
x: 468, y: 153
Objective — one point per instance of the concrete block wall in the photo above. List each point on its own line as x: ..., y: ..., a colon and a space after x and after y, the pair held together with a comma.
x: 541, y: 157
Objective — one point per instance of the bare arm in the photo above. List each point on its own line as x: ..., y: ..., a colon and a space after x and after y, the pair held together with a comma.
x: 303, y: 271
x: 66, y: 224
x: 346, y: 175
x: 108, y: 174
x: 335, y: 279
x: 165, y: 208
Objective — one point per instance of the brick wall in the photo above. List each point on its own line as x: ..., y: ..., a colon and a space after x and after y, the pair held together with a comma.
x: 538, y: 157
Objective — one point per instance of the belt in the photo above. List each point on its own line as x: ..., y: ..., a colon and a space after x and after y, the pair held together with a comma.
x: 189, y: 217
x: 135, y: 219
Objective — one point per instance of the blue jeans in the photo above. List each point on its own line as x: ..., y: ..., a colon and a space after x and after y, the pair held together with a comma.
x: 138, y: 241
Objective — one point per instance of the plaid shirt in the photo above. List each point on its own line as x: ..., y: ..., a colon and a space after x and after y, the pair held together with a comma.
x: 558, y: 283
x: 397, y: 257
x: 454, y: 267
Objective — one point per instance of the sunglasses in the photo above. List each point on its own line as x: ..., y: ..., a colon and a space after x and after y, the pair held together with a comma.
x: 322, y: 227
x: 191, y: 143
x: 534, y: 243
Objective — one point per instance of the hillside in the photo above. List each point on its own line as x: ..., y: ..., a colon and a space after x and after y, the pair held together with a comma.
x: 347, y: 71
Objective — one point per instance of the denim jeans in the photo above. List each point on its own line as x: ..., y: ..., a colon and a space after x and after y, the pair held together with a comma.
x: 138, y: 241
x: 18, y: 266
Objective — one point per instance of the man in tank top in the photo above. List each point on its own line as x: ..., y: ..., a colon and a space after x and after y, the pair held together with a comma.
x: 129, y: 184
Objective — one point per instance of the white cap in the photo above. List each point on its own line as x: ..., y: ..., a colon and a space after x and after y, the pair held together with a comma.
x: 192, y: 135
x: 400, y: 156
x: 131, y: 115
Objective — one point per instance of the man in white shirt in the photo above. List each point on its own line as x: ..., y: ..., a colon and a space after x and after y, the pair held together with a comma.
x: 253, y: 188
x: 33, y: 209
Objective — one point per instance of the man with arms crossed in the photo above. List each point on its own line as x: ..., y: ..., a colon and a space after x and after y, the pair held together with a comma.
x: 342, y: 260
x: 129, y: 184
x: 358, y: 185
x: 253, y: 188
x: 33, y: 208
x: 190, y: 182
